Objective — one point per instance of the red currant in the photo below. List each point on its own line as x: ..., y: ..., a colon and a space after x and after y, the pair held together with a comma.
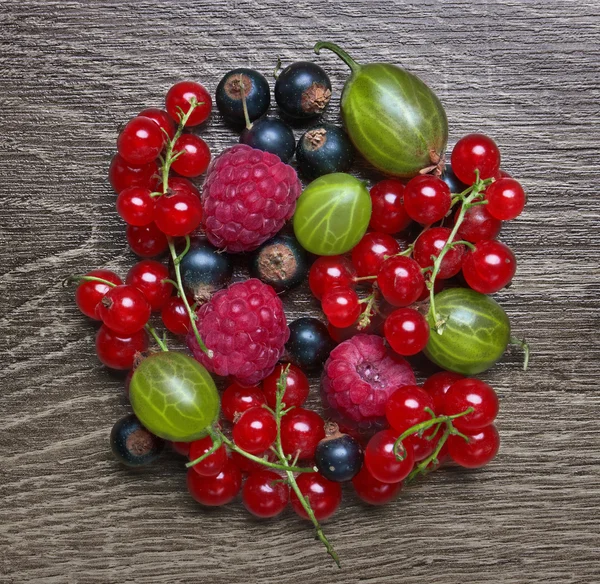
x: 255, y: 430
x: 427, y: 199
x: 140, y: 141
x: 438, y: 286
x: 400, y: 281
x: 236, y: 399
x: 437, y: 385
x: 407, y: 331
x: 489, y: 267
x: 179, y: 98
x: 149, y: 277
x: 478, y: 225
x: 146, y: 241
x: 175, y: 317
x: 381, y: 460
x: 265, y: 494
x: 506, y: 199
x: 89, y: 294
x: 373, y: 491
x: 214, y: 463
x: 471, y: 393
x: 179, y: 184
x: 324, y: 497
x: 480, y: 449
x: 195, y: 155
x: 246, y: 465
x: 118, y: 351
x: 135, y: 206
x: 122, y: 175
x: 389, y: 214
x: 422, y: 446
x: 329, y: 272
x: 177, y: 214
x: 341, y: 306
x: 430, y: 243
x: 124, y: 309
x: 475, y: 152
x: 296, y: 388
x: 217, y: 490
x: 371, y: 251
x: 301, y: 431
x: 408, y: 406
x: 162, y: 118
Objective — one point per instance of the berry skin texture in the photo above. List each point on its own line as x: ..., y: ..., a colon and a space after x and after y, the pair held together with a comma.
x: 177, y: 214
x: 140, y: 141
x: 322, y: 150
x: 246, y: 328
x: 195, y: 156
x: 271, y: 135
x: 330, y: 272
x: 407, y: 331
x: 341, y: 307
x: 400, y: 281
x: 430, y: 243
x: 407, y: 407
x: 180, y: 96
x: 301, y: 431
x: 146, y: 241
x: 257, y: 94
x: 175, y: 317
x: 124, y: 309
x: 471, y: 393
x: 505, y: 199
x: 178, y: 184
x: 89, y: 294
x: 339, y: 457
x: 389, y: 214
x: 213, y: 464
x: 117, y: 351
x: 147, y: 276
x: 204, y: 270
x: 162, y: 118
x: 247, y: 197
x: 489, y: 267
x: 309, y: 343
x: 427, y: 199
x: 236, y: 399
x: 373, y: 491
x: 370, y: 252
x: 437, y: 385
x: 135, y: 206
x: 217, y: 490
x: 482, y: 447
x: 381, y: 461
x: 255, y: 430
x: 324, y: 497
x: 478, y: 225
x: 122, y: 175
x: 475, y: 152
x: 132, y: 444
x: 297, y: 386
x: 264, y: 494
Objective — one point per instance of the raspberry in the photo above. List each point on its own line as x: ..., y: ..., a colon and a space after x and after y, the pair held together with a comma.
x: 246, y: 328
x: 247, y: 197
x: 359, y: 377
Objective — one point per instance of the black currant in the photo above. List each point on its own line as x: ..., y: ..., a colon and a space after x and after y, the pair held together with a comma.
x: 339, y: 457
x: 229, y: 94
x: 309, y: 344
x: 452, y: 181
x: 132, y: 444
x: 271, y: 135
x: 302, y: 90
x: 280, y: 262
x: 324, y: 149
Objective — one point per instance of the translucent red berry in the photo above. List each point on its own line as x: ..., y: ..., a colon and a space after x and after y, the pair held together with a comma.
x: 400, y: 281
x: 478, y: 225
x: 265, y: 494
x: 123, y: 175
x: 427, y: 199
x: 214, y: 463
x: 506, y: 199
x: 217, y: 490
x: 255, y: 430
x: 236, y: 399
x: 175, y: 316
x: 381, y: 460
x: 430, y: 243
x: 301, y: 431
x: 475, y: 152
x: 136, y: 206
x: 177, y: 214
x: 149, y: 277
x: 179, y: 98
x: 480, y: 448
x: 119, y: 351
x: 194, y: 158
x: 89, y: 294
x: 140, y: 141
x: 341, y: 306
x: 330, y: 272
x: 296, y: 389
x: 371, y: 251
x: 489, y: 267
x: 323, y: 496
x: 162, y: 119
x: 124, y: 309
x: 407, y: 331
x: 475, y: 394
x: 146, y: 241
x: 373, y: 491
x: 407, y: 407
x: 388, y: 214
x: 437, y: 385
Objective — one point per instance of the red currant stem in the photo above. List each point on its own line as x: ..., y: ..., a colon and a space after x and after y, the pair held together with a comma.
x: 365, y: 318
x: 160, y: 342
x: 343, y: 55
x: 176, y: 261
x: 408, y: 251
x: 364, y: 278
x: 477, y: 203
x: 216, y: 436
x: 525, y: 346
x: 169, y: 281
x: 156, y: 194
x: 468, y: 244
x: 244, y: 104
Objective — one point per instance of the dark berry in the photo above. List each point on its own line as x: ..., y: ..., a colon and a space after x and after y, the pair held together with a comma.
x: 309, y: 344
x: 132, y: 444
x: 270, y: 135
x: 302, y: 90
x: 324, y: 149
x: 338, y: 457
x: 452, y: 181
x: 229, y: 94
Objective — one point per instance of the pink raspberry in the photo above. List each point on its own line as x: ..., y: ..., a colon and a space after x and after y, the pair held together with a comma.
x: 246, y: 328
x: 359, y: 377
x: 247, y: 197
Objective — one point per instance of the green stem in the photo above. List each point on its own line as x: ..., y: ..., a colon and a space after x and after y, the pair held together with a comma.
x: 160, y: 342
x: 343, y: 55
x: 525, y: 346
x: 365, y: 318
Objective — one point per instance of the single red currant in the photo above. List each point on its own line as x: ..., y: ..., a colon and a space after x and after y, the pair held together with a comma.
x: 475, y: 152
x: 408, y: 406
x: 407, y: 331
x: 149, y: 277
x: 179, y: 98
x: 214, y: 463
x: 175, y: 316
x: 118, y: 351
x: 324, y: 497
x: 296, y: 388
x: 147, y: 240
x: 124, y: 309
x: 89, y: 294
x: 255, y: 430
x: 489, y: 267
x: 301, y: 431
x: 236, y: 399
x: 430, y: 243
x: 329, y: 272
x: 506, y: 199
x: 177, y: 214
x: 371, y: 251
x: 478, y: 225
x: 427, y: 199
x: 437, y: 385
x: 194, y: 157
x: 135, y: 206
x: 381, y: 460
x: 401, y: 281
x: 481, y: 447
x: 373, y: 491
x: 422, y: 446
x: 179, y: 184
x: 471, y: 393
x: 388, y: 214
x: 140, y: 141
x: 162, y: 118
x: 265, y: 494
x: 341, y: 306
x: 122, y: 175
x: 217, y: 490
x: 246, y: 465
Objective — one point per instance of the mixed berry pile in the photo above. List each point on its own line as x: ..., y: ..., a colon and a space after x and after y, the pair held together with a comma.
x: 400, y: 269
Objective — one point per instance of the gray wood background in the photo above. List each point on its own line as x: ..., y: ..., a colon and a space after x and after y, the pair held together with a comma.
x: 72, y: 72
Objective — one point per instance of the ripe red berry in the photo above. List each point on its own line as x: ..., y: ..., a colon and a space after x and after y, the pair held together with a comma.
x: 381, y: 460
x: 175, y: 317
x: 177, y: 214
x: 124, y: 309
x: 162, y: 118
x: 422, y: 446
x: 122, y: 175
x: 471, y: 393
x: 480, y: 449
x: 195, y: 155
x: 371, y: 251
x: 427, y: 199
x: 297, y: 386
x: 430, y: 243
x: 437, y: 385
x: 400, y: 281
x: 373, y: 491
x: 255, y: 430
x: 478, y: 225
x: 179, y: 184
x: 135, y: 206
x: 301, y: 431
x: 236, y: 399
x: 147, y: 240
x: 89, y: 294
x: 140, y: 141
x: 407, y: 331
x: 217, y: 490
x: 388, y: 214
x: 341, y: 306
x: 475, y: 152
x: 179, y: 98
x: 506, y: 199
x: 246, y: 465
x: 265, y: 494
x: 329, y: 272
x: 118, y: 351
x: 438, y: 286
x: 149, y: 277
x: 489, y: 267
x: 408, y: 406
x: 214, y: 463
x: 324, y: 497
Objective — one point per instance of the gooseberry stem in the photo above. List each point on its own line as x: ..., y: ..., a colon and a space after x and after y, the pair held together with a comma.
x: 343, y: 55
x: 525, y: 346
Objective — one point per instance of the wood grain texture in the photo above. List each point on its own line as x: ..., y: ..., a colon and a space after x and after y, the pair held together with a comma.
x: 72, y: 72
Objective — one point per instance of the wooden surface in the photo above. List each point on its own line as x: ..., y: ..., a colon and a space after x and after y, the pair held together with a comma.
x: 72, y: 72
